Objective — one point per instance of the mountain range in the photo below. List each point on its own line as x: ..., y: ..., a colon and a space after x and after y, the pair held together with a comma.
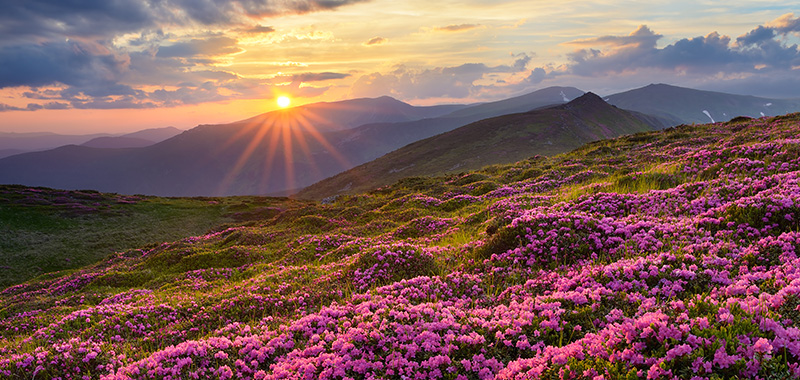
x: 269, y: 153
x: 17, y: 143
x: 279, y: 151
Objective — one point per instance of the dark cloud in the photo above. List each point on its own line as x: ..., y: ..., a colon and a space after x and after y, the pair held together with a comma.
x: 70, y: 62
x: 537, y: 75
x: 376, y: 41
x: 197, y: 47
x: 6, y: 107
x: 456, y: 28
x: 221, y: 12
x: 521, y: 62
x: 756, y: 36
x: 56, y: 106
x: 32, y: 20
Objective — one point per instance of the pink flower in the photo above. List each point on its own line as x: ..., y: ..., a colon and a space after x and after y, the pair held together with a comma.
x: 762, y: 346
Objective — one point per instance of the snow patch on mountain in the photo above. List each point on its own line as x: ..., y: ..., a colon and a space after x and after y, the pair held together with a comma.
x: 709, y: 116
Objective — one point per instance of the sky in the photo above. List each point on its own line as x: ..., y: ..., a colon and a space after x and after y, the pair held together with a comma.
x: 114, y: 66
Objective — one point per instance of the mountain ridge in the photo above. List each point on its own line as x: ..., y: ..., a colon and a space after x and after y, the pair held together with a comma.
x: 498, y: 140
x: 681, y: 105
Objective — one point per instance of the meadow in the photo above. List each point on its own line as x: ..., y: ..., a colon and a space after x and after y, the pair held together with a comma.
x: 47, y: 230
x: 661, y: 255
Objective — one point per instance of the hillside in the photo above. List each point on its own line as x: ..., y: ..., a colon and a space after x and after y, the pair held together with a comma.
x: 47, y: 230
x: 680, y: 105
x: 498, y: 140
x: 669, y: 254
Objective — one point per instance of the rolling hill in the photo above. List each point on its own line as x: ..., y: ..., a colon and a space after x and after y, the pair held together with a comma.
x: 681, y: 105
x: 498, y: 140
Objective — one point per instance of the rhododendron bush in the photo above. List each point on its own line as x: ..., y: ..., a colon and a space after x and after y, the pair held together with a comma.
x: 668, y: 255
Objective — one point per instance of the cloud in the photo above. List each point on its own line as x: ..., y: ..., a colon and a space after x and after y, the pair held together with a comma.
x: 456, y: 28
x: 200, y: 47
x: 104, y: 54
x: 785, y: 24
x: 5, y: 107
x: 56, y: 106
x: 453, y: 82
x: 756, y: 36
x: 73, y: 63
x: 31, y: 20
x: 258, y: 29
x: 375, y: 41
x: 317, y: 77
x: 521, y: 62
x: 704, y: 55
x: 642, y: 37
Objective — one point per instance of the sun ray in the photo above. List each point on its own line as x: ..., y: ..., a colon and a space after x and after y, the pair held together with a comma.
x: 291, y: 133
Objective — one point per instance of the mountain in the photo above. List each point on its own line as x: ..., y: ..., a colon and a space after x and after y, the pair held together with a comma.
x: 138, y: 139
x: 116, y: 142
x: 346, y: 114
x: 266, y: 154
x: 16, y: 143
x: 541, y: 98
x: 497, y: 140
x: 371, y: 141
x: 681, y: 105
x: 154, y: 134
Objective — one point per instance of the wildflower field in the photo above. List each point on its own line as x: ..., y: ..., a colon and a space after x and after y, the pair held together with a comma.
x: 661, y: 255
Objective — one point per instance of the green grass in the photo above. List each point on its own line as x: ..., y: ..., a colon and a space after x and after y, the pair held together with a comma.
x: 48, y: 230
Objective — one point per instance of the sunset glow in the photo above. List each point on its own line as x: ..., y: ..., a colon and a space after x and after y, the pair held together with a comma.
x: 143, y: 64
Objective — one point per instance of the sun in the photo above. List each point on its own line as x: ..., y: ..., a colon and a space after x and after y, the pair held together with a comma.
x: 284, y: 101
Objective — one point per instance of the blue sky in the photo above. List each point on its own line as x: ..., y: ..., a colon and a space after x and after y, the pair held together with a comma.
x: 100, y: 65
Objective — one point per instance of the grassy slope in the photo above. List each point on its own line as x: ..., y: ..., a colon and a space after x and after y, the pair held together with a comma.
x: 46, y: 230
x: 498, y: 140
x: 667, y: 245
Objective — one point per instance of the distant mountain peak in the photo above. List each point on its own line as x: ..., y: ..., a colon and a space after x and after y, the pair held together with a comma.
x: 589, y: 97
x: 587, y: 100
